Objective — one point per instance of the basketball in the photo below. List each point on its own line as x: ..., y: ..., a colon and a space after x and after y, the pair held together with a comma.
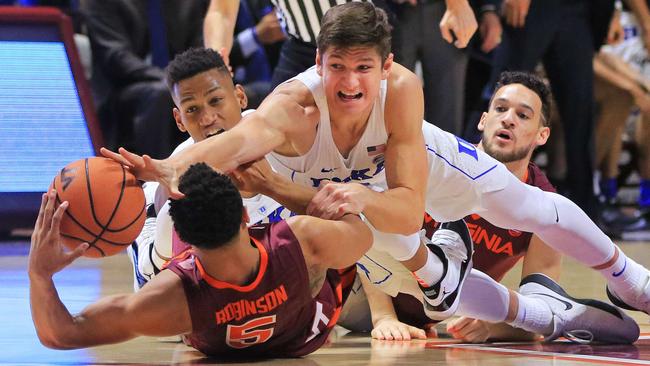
x: 106, y: 206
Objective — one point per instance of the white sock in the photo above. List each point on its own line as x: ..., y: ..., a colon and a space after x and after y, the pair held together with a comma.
x: 432, y: 270
x: 533, y: 315
x: 483, y: 298
x: 625, y: 275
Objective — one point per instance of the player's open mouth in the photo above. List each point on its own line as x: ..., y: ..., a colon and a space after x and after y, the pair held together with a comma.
x: 504, y: 134
x: 346, y: 96
x: 214, y: 133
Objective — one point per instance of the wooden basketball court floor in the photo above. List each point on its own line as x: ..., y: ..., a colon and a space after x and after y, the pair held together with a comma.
x: 86, y: 280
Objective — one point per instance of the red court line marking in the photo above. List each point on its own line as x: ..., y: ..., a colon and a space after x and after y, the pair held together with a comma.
x: 548, y: 355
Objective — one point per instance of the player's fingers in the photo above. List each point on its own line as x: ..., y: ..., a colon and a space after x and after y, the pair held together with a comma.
x: 56, y: 219
x: 76, y: 252
x: 378, y: 333
x: 49, y: 209
x: 175, y: 194
x: 521, y: 18
x: 41, y: 211
x: 115, y: 156
x: 417, y: 333
x: 458, y: 324
x: 133, y: 160
x: 446, y: 32
x: 476, y: 336
x: 404, y: 333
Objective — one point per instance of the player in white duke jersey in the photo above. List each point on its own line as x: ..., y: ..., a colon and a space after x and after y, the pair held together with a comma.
x: 287, y: 121
x: 517, y: 122
x: 462, y: 180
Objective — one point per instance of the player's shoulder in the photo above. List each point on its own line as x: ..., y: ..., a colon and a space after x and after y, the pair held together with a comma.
x: 296, y: 90
x: 402, y: 79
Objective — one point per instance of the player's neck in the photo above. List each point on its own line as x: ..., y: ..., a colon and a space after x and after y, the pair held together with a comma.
x: 519, y: 168
x: 236, y: 263
x: 347, y: 130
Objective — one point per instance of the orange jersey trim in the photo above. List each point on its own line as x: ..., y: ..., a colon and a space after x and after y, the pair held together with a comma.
x: 264, y: 260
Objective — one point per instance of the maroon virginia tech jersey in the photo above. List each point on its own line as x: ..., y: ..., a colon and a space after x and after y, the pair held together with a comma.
x: 497, y: 250
x: 275, y: 315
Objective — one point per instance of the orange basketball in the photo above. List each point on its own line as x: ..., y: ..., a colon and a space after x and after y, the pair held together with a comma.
x: 106, y: 206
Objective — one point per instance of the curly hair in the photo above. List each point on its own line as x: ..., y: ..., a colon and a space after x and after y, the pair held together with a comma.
x: 532, y: 82
x: 192, y: 62
x: 355, y: 24
x: 210, y: 214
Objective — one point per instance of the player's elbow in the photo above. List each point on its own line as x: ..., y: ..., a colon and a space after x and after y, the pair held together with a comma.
x: 56, y: 342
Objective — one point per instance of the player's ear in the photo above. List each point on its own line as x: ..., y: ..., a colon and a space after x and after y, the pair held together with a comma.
x: 319, y: 63
x: 178, y: 119
x: 242, y: 99
x: 542, y: 135
x: 481, y: 122
x: 388, y: 63
x: 245, y: 219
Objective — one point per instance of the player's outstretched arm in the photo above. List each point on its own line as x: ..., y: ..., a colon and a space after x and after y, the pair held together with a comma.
x: 331, y: 243
x: 274, y: 124
x: 158, y: 309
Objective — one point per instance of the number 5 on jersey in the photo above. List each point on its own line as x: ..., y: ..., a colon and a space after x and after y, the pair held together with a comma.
x: 249, y: 334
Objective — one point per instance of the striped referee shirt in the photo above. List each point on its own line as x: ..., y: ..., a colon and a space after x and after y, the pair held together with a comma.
x: 301, y: 18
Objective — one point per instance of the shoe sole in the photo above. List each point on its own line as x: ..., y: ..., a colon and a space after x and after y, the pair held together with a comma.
x: 601, y: 336
x: 553, y: 286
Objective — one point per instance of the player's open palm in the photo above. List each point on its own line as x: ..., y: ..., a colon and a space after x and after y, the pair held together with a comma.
x: 469, y: 330
x: 392, y: 329
x: 47, y: 254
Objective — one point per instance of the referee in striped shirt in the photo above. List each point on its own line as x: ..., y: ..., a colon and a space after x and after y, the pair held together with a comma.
x: 301, y: 22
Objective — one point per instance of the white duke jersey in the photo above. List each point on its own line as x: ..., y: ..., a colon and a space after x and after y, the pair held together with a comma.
x: 365, y: 162
x: 459, y: 174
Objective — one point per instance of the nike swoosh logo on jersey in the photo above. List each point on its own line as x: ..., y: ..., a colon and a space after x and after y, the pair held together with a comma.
x: 616, y: 274
x: 557, y: 216
x: 327, y: 170
x: 567, y: 304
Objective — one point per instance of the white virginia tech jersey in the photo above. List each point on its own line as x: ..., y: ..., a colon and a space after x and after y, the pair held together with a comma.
x: 365, y: 163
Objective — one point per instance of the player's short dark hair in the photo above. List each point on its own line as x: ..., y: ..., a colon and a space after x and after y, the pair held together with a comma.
x: 355, y: 24
x: 532, y: 82
x: 210, y: 214
x: 192, y: 62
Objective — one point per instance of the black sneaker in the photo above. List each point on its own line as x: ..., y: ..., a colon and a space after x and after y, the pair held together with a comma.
x: 451, y: 243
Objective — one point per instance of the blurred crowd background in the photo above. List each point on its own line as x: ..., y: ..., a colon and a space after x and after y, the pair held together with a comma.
x: 593, y: 53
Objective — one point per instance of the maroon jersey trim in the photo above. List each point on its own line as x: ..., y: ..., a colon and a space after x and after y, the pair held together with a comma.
x: 218, y: 284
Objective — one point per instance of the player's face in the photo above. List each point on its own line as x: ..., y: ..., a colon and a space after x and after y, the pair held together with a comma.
x: 512, y: 128
x: 207, y: 104
x: 352, y: 77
